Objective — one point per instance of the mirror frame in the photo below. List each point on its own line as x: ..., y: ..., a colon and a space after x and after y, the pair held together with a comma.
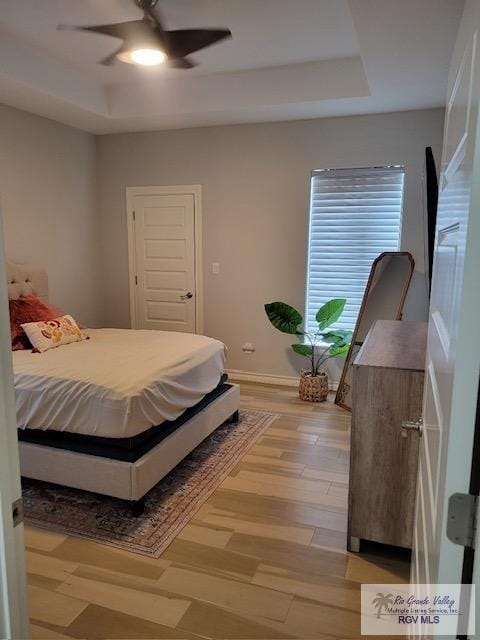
x: 398, y: 315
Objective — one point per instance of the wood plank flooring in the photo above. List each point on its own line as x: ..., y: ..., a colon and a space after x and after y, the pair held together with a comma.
x: 265, y: 557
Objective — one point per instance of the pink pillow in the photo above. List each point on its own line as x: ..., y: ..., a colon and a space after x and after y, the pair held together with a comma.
x: 28, y: 309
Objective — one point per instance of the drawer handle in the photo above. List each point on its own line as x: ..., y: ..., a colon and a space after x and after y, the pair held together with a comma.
x: 409, y: 425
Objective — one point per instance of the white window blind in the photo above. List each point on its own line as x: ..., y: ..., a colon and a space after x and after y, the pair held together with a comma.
x: 355, y: 214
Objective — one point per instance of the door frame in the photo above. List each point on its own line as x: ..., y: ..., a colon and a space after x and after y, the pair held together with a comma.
x: 14, y: 621
x: 187, y: 189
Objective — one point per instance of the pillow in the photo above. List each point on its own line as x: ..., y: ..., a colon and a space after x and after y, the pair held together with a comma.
x: 28, y: 309
x: 53, y: 333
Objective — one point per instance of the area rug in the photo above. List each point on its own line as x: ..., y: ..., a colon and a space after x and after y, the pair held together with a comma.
x: 169, y: 505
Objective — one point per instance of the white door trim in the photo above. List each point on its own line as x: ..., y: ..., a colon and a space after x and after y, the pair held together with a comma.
x: 13, y: 598
x: 189, y: 189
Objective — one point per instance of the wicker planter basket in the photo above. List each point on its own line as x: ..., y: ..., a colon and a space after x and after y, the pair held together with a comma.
x: 313, y: 388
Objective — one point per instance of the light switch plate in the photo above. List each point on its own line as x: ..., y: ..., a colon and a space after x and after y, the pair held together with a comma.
x: 215, y: 268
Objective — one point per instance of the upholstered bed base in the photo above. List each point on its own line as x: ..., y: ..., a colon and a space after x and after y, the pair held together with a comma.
x: 127, y: 480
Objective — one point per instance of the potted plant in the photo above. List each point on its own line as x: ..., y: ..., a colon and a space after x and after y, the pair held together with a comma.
x: 318, y: 346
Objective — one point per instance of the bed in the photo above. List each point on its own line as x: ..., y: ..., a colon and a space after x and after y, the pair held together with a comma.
x: 115, y: 413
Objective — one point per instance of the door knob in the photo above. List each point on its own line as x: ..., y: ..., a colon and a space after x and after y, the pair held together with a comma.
x: 410, y: 425
x: 186, y: 296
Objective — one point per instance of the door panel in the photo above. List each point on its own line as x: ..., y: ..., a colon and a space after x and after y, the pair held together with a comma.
x: 458, y: 113
x: 155, y: 248
x: 165, y: 280
x: 165, y: 311
x: 164, y: 216
x: 432, y: 445
x: 165, y: 262
x: 453, y: 347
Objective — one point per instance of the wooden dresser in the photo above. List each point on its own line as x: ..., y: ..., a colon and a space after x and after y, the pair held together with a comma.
x: 387, y: 390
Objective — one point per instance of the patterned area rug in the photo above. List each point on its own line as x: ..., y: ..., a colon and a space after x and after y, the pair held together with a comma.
x: 169, y: 505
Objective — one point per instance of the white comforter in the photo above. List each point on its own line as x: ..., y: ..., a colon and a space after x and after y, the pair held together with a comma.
x: 117, y: 384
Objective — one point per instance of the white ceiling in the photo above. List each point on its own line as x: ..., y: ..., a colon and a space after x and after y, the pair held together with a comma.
x: 288, y: 59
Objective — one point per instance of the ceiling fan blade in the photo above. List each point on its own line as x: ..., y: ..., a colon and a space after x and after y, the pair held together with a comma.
x: 109, y: 60
x: 148, y: 33
x: 181, y: 63
x: 122, y: 30
x: 68, y: 27
x: 181, y: 42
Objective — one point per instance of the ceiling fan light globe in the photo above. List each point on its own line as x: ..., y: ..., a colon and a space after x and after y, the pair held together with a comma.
x: 144, y: 57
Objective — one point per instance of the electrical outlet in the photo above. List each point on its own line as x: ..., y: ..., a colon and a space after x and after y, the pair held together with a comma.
x: 248, y: 348
x: 215, y: 268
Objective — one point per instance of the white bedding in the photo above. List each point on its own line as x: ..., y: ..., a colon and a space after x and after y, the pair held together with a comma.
x: 117, y: 384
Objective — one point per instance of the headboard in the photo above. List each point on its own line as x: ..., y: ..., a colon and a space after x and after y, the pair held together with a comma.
x: 25, y: 279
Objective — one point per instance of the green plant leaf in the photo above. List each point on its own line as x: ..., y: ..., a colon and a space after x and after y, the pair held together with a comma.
x: 330, y: 337
x: 339, y: 335
x: 303, y: 349
x: 339, y: 350
x: 330, y: 312
x: 284, y: 317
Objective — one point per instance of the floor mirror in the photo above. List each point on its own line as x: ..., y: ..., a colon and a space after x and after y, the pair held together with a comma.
x: 384, y: 297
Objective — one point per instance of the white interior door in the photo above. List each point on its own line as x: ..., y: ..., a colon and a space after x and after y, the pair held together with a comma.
x: 164, y: 261
x: 13, y: 602
x: 453, y: 350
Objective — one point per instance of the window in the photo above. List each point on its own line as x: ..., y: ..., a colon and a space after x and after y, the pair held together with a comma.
x: 355, y: 214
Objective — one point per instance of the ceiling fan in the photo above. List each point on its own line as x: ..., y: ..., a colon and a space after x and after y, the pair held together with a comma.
x: 147, y: 42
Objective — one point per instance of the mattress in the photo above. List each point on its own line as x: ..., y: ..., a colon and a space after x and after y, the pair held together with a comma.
x: 125, y: 449
x: 117, y: 384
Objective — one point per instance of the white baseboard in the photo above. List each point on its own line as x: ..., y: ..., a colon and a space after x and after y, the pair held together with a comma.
x: 270, y: 378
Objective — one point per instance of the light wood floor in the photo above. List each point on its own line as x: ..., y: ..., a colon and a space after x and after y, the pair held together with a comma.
x: 264, y: 557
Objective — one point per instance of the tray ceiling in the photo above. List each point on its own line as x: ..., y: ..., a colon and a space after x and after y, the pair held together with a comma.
x: 288, y: 59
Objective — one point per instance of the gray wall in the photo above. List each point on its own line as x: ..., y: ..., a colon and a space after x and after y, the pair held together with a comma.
x: 255, y: 182
x: 47, y: 197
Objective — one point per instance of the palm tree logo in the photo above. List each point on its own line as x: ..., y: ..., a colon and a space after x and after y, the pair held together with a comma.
x: 382, y: 601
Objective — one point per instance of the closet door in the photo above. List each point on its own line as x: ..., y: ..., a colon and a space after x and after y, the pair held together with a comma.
x: 164, y: 259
